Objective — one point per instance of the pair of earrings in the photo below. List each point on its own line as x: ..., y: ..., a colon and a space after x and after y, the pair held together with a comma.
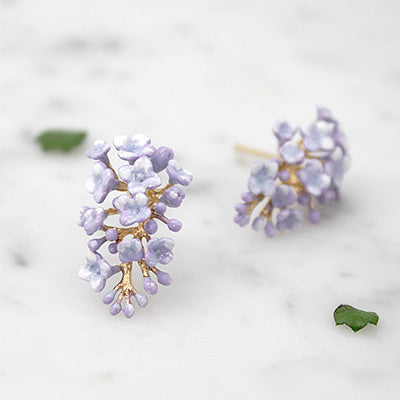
x: 309, y: 168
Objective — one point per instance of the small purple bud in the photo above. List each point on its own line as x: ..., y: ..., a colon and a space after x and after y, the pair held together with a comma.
x: 161, y: 158
x: 112, y: 248
x: 173, y: 197
x: 247, y: 197
x: 303, y: 199
x: 111, y: 234
x: 241, y: 219
x: 95, y: 244
x: 109, y: 297
x: 270, y: 229
x: 284, y: 175
x: 164, y: 278
x: 160, y: 208
x: 241, y: 208
x: 174, y: 225
x: 115, y: 308
x: 151, y: 226
x: 129, y: 310
x: 314, y: 216
x: 149, y: 285
x: 92, y: 245
x: 141, y: 299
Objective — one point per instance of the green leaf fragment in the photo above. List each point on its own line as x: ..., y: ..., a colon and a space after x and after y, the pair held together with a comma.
x: 354, y: 318
x: 62, y: 140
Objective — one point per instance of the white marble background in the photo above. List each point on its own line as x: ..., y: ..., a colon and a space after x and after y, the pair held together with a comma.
x: 246, y: 317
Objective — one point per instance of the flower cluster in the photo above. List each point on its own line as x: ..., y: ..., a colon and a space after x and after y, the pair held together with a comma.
x: 310, y: 166
x: 140, y: 203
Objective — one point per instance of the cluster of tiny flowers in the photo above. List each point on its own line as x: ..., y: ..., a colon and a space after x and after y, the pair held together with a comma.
x: 310, y: 166
x: 141, y: 203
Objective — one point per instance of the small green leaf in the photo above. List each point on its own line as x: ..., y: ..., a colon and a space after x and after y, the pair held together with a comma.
x: 354, y: 318
x: 62, y: 140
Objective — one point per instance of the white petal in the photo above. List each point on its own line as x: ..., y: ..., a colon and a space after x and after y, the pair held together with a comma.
x: 99, y: 143
x: 90, y: 185
x: 315, y: 164
x: 91, y: 257
x: 125, y: 172
x: 119, y: 141
x: 256, y: 167
x: 141, y: 140
x: 105, y: 269
x: 98, y: 168
x: 174, y: 164
x: 141, y: 200
x: 327, y: 143
x: 97, y: 283
x: 122, y: 202
x: 135, y: 188
x: 142, y: 163
x: 169, y: 244
x: 326, y: 181
x: 269, y: 187
x: 84, y: 273
x: 272, y: 168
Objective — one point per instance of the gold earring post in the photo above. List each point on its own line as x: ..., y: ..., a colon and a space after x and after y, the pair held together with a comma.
x: 249, y: 150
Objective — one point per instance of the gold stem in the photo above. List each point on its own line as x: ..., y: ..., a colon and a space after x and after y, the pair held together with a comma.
x: 254, y: 203
x: 249, y: 150
x: 155, y: 194
x: 153, y: 269
x: 112, y: 169
x: 144, y: 267
x: 122, y: 186
x: 163, y: 189
x: 125, y: 285
x: 266, y: 211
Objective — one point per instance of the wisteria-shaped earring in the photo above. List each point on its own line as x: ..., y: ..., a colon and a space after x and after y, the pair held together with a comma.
x: 140, y: 208
x: 310, y: 166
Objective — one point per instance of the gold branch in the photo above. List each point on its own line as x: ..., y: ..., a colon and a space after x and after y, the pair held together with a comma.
x: 137, y: 231
x: 122, y: 186
x: 254, y: 203
x: 266, y: 212
x: 160, y: 191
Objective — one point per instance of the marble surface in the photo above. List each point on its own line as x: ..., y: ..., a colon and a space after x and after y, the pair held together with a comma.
x: 246, y: 317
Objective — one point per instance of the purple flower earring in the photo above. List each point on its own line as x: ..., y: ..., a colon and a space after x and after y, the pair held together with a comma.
x: 140, y: 207
x: 310, y: 167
